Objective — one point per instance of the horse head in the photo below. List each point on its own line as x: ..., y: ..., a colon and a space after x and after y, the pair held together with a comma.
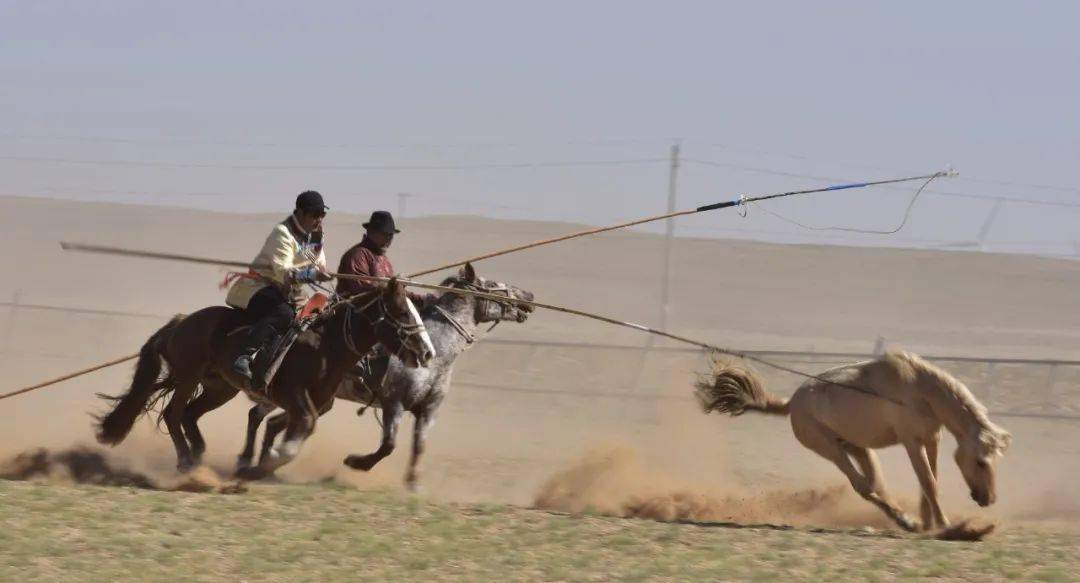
x: 400, y: 330
x: 977, y: 456
x: 488, y: 310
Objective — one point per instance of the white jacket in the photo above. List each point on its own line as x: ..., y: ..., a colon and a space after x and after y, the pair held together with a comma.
x: 286, y: 250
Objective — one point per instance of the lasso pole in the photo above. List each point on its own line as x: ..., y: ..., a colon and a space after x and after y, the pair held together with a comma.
x: 715, y: 206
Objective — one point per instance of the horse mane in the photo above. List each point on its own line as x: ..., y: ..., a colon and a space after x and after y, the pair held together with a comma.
x: 909, y: 367
x: 450, y: 281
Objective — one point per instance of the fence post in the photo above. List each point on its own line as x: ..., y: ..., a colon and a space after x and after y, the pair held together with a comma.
x: 879, y: 346
x: 989, y: 383
x: 9, y: 325
x: 1051, y: 378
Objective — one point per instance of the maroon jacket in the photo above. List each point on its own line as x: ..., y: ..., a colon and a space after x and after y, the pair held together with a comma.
x: 365, y: 258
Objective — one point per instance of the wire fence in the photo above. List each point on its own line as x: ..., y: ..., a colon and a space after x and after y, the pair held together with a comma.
x: 1009, y: 387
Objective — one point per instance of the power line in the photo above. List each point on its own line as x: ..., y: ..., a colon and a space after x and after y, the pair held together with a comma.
x: 344, y: 167
x: 598, y: 142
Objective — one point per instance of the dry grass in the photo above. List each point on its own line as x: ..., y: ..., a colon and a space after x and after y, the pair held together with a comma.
x: 290, y: 533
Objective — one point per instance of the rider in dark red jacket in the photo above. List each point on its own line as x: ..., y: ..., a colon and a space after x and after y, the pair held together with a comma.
x: 368, y: 257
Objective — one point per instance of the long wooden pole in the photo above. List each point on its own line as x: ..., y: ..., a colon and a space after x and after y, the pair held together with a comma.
x: 501, y: 298
x: 68, y: 376
x: 534, y: 244
x: 671, y: 215
x: 584, y: 233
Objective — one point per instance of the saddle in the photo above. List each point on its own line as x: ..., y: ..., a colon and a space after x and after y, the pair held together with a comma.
x: 269, y: 358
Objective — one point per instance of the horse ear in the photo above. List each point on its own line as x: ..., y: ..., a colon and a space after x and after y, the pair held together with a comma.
x: 468, y: 273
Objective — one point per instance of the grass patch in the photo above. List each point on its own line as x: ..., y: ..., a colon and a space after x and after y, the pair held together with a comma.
x: 286, y: 532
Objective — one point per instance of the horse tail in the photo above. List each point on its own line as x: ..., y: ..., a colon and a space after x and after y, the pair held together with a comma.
x: 114, y: 426
x: 734, y: 390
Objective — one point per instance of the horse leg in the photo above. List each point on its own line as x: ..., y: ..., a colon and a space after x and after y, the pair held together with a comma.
x: 870, y: 468
x: 925, y: 506
x: 301, y: 424
x: 392, y: 412
x: 255, y: 418
x: 173, y: 416
x: 826, y: 443
x: 274, y: 426
x: 214, y: 395
x: 302, y: 413
x: 920, y: 462
x: 422, y: 422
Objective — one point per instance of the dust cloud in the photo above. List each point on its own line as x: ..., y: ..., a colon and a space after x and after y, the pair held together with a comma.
x: 614, y: 481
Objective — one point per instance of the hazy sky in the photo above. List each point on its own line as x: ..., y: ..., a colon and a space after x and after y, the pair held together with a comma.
x: 239, y: 105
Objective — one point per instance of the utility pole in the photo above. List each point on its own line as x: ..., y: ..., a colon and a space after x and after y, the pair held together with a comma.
x: 984, y: 231
x: 402, y: 197
x: 669, y: 234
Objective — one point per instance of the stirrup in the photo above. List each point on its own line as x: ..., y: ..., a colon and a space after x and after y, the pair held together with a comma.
x: 242, y: 366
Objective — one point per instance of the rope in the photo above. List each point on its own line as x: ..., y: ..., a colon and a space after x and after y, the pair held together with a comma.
x: 625, y: 324
x: 903, y: 222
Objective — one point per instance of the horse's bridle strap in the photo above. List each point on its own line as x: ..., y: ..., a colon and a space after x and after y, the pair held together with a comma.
x: 469, y: 338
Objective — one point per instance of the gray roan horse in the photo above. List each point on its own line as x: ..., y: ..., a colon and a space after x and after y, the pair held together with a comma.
x: 454, y: 323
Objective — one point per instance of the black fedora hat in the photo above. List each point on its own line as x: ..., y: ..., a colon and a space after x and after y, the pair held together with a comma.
x: 381, y: 221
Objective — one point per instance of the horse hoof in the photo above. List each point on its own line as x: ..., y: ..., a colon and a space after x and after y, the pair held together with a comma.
x: 359, y: 462
x: 185, y: 466
x: 249, y: 473
x: 909, y: 524
x: 243, y: 463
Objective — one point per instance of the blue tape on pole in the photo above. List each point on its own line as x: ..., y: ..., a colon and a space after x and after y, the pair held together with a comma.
x: 843, y: 186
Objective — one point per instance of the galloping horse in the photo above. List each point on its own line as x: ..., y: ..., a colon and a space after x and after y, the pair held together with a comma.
x: 197, y: 350
x: 454, y: 323
x: 910, y: 401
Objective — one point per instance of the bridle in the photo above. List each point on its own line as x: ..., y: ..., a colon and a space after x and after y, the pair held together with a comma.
x: 469, y: 337
x: 405, y: 331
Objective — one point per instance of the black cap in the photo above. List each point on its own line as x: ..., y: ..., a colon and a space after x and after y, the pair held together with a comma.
x: 381, y: 221
x: 310, y: 201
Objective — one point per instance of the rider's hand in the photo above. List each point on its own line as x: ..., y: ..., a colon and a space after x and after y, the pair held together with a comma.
x: 321, y: 274
x: 304, y: 274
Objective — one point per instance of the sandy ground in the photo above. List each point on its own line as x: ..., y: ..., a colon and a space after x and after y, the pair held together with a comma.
x: 519, y: 415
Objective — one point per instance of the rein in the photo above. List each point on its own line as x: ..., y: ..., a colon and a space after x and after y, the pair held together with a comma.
x: 632, y: 325
x: 404, y: 331
x: 502, y: 303
x: 469, y: 338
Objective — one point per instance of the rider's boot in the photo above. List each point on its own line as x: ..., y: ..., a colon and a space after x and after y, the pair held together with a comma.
x: 242, y: 364
x: 258, y: 337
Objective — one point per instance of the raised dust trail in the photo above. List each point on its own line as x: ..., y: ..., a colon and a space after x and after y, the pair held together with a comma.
x: 614, y: 481
x: 83, y: 465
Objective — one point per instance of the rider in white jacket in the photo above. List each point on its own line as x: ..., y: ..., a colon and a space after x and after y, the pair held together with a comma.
x: 291, y: 256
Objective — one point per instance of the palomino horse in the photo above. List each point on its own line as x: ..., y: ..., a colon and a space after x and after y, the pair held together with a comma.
x: 910, y: 401
x: 454, y: 323
x: 198, y: 349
